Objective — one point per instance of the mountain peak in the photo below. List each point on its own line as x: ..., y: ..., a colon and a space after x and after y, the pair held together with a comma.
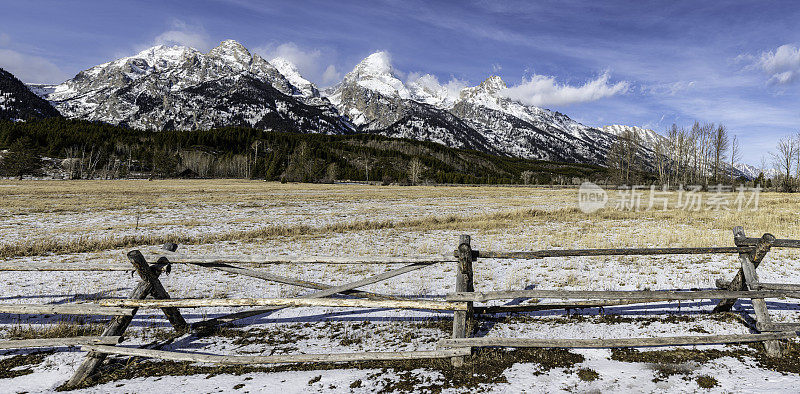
x: 232, y: 50
x: 487, y: 93
x: 492, y: 85
x: 292, y: 74
x: 375, y: 73
x: 378, y: 63
x: 162, y: 52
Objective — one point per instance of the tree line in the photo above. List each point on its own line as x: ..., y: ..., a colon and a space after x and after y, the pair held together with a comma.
x: 704, y: 154
x: 786, y: 163
x: 91, y: 150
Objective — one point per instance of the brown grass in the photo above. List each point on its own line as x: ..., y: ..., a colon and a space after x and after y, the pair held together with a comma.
x: 564, y: 226
x: 62, y: 329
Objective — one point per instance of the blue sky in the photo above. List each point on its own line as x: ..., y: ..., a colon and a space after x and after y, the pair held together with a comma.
x: 638, y: 63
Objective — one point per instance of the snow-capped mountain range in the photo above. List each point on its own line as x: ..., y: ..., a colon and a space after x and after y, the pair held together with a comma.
x: 181, y: 88
x: 177, y: 87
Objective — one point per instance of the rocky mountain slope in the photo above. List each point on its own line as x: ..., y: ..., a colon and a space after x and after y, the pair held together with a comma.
x: 17, y: 102
x: 181, y: 88
x: 480, y: 117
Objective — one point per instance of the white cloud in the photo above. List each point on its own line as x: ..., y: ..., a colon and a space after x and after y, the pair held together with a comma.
x: 309, y: 62
x: 542, y: 90
x: 30, y: 69
x: 430, y: 84
x: 181, y: 33
x: 330, y: 76
x: 782, y: 65
x: 305, y: 61
x: 669, y: 89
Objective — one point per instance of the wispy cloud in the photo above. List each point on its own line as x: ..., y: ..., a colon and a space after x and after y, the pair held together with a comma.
x: 330, y: 76
x: 542, y: 90
x: 430, y: 83
x: 182, y: 33
x: 781, y: 65
x: 309, y: 62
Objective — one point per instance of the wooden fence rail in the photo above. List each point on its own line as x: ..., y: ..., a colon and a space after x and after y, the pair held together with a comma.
x: 615, y: 342
x: 59, y: 342
x: 279, y: 359
x: 65, y: 309
x: 538, y: 254
x: 640, y: 295
x: 278, y: 259
x: 461, y: 302
x: 285, y: 302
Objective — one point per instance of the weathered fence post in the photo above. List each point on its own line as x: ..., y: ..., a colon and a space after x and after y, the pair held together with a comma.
x: 464, y: 283
x: 157, y: 290
x: 737, y: 284
x: 763, y: 246
x: 119, y: 324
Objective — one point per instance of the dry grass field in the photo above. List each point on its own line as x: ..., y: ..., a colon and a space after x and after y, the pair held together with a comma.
x: 46, y: 217
x: 98, y: 221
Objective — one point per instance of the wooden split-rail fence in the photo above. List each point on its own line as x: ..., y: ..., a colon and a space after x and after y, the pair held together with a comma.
x: 466, y: 303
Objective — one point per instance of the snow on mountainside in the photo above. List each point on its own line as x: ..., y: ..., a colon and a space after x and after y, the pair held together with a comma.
x: 17, y: 102
x: 752, y: 172
x: 529, y: 131
x: 375, y: 98
x: 647, y: 137
x: 290, y: 72
x: 370, y: 95
x: 181, y: 88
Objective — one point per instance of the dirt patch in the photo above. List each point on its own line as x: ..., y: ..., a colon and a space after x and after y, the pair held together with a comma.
x: 588, y: 374
x: 706, y: 382
x: 484, y: 367
x: 789, y: 363
x: 13, y: 366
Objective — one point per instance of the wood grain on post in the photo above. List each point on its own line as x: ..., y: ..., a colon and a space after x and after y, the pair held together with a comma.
x: 58, y: 342
x: 616, y: 342
x: 277, y: 259
x: 779, y: 243
x: 289, y: 358
x: 621, y: 295
x: 737, y: 284
x: 56, y: 309
x: 539, y: 254
x: 773, y: 348
x: 117, y: 326
x: 156, y: 288
x: 772, y: 327
x: 545, y: 306
x: 32, y: 266
x: 286, y: 302
x: 464, y: 283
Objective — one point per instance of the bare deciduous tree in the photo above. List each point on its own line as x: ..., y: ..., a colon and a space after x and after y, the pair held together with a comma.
x: 719, y: 145
x: 623, y: 159
x: 735, y: 156
x: 415, y: 169
x: 784, y: 160
x: 527, y: 176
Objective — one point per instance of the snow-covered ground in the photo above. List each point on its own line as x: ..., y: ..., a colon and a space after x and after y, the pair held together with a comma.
x: 327, y: 330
